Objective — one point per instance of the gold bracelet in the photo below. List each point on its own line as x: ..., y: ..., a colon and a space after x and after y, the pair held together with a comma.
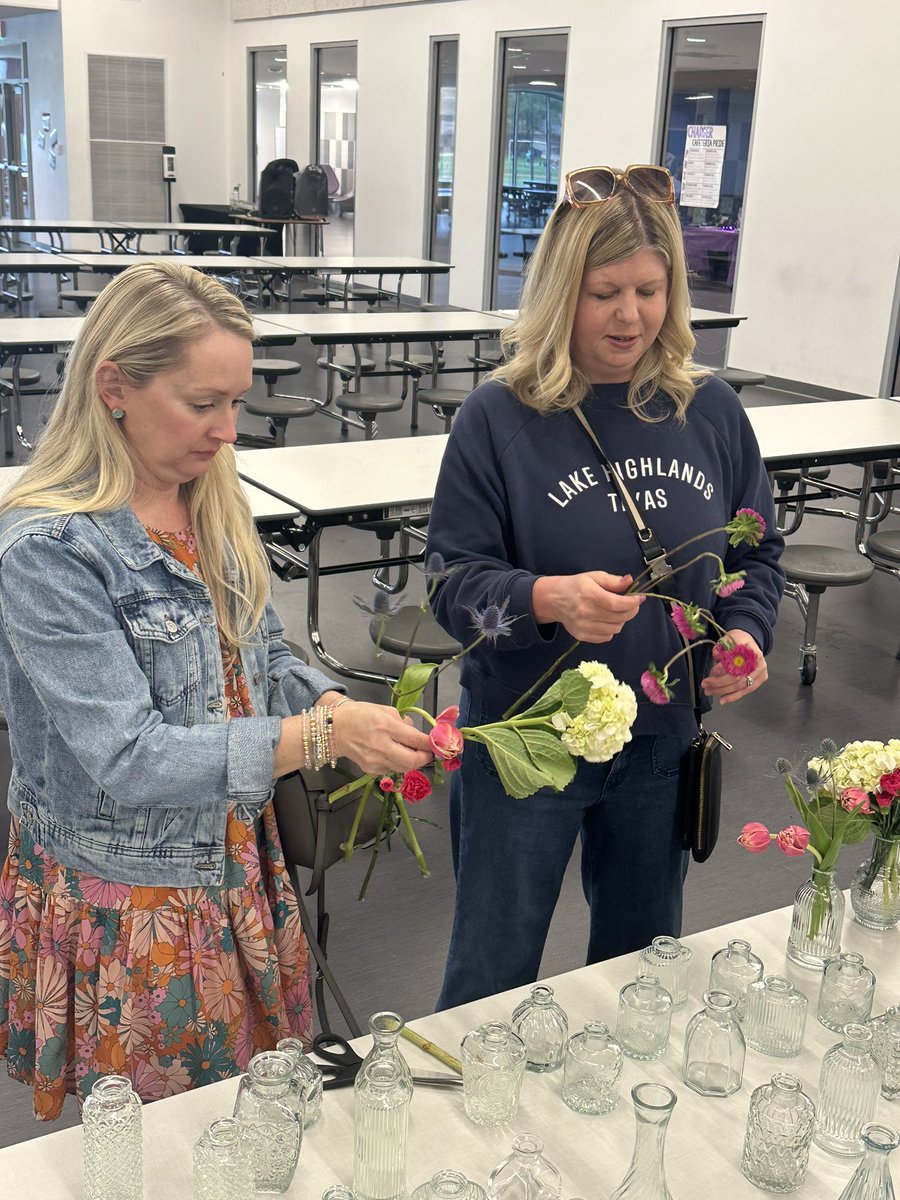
x: 304, y: 717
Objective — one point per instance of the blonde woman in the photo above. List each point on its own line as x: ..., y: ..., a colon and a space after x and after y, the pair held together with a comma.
x: 147, y: 923
x: 526, y: 517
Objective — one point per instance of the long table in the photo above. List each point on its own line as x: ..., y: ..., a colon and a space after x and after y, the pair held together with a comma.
x: 705, y: 1137
x: 122, y: 236
x: 348, y: 267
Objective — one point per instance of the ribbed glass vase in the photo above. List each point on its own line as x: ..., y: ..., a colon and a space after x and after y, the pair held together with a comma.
x: 645, y: 1179
x: 872, y: 1178
x: 382, y: 1092
x: 816, y: 922
x: 849, y: 1084
x: 875, y: 890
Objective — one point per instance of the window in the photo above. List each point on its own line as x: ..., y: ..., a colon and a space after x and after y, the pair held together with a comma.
x: 443, y: 154
x: 268, y: 90
x: 335, y: 108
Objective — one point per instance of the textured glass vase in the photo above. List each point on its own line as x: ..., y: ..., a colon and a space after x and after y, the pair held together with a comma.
x: 645, y: 1179
x: 526, y: 1174
x: 544, y: 1028
x: 849, y: 1084
x: 222, y: 1166
x: 872, y: 1178
x: 733, y: 969
x: 875, y: 890
x: 846, y: 994
x: 310, y: 1079
x: 644, y: 1018
x: 269, y: 1106
x: 775, y: 1017
x: 382, y: 1092
x: 593, y: 1070
x: 493, y: 1065
x: 816, y: 922
x: 670, y: 962
x: 338, y: 1191
x: 779, y: 1132
x: 112, y: 1143
x: 886, y: 1050
x: 448, y: 1185
x: 714, y: 1048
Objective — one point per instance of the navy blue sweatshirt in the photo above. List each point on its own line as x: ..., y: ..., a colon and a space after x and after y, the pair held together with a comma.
x: 521, y: 494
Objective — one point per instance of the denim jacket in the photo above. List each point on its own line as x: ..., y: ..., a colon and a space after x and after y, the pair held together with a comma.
x: 111, y: 678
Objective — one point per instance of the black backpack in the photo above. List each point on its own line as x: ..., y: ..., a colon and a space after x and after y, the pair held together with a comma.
x: 276, y: 188
x: 311, y: 192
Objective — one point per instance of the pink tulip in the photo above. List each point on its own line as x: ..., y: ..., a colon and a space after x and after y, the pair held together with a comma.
x: 792, y: 840
x: 446, y: 740
x: 450, y: 714
x: 856, y: 800
x: 755, y: 837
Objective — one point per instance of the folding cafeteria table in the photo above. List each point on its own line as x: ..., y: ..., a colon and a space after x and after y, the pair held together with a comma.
x: 350, y: 266
x: 122, y: 236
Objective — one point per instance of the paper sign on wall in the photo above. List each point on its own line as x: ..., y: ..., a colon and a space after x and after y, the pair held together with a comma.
x: 704, y: 154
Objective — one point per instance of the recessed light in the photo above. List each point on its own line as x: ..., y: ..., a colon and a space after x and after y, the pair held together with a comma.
x: 541, y: 83
x: 519, y: 67
x: 701, y: 96
x: 696, y: 41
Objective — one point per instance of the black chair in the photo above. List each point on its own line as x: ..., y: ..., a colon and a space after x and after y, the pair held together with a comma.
x: 5, y: 774
x: 409, y: 631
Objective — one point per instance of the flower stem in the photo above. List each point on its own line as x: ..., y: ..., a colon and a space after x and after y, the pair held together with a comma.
x: 546, y: 675
x: 411, y: 835
x: 698, y: 537
x: 350, y: 844
x: 386, y: 801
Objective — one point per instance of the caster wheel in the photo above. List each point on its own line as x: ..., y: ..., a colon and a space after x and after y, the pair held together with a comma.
x: 808, y: 669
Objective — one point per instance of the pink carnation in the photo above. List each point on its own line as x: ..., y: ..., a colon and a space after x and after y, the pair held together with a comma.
x: 737, y: 658
x: 856, y: 800
x: 890, y: 783
x: 792, y: 840
x: 414, y: 786
x: 387, y: 784
x: 755, y: 837
x: 883, y: 800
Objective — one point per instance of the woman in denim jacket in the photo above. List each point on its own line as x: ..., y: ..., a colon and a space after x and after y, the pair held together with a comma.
x: 147, y: 923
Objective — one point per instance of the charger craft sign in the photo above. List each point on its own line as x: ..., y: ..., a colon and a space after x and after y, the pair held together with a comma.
x: 704, y: 156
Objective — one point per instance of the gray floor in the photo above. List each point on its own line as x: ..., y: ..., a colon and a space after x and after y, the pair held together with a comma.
x: 388, y: 951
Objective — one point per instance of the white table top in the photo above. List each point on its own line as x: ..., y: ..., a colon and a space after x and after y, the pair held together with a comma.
x: 364, y: 265
x: 827, y: 430
x: 35, y: 260
x: 396, y: 325
x: 705, y: 1135
x: 219, y: 264
x: 708, y: 318
x: 231, y: 229
x: 29, y: 331
x: 48, y: 224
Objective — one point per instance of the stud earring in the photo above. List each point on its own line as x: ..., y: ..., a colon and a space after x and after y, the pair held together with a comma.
x: 118, y: 413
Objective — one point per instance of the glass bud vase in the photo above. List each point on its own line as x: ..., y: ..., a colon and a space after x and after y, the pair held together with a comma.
x: 645, y: 1179
x: 875, y: 890
x: 222, y: 1166
x: 593, y: 1070
x: 775, y: 1017
x: 886, y: 1050
x: 849, y: 1084
x: 382, y: 1092
x: 670, y: 962
x: 733, y: 969
x: 779, y: 1132
x: 644, y: 1018
x: 338, y: 1191
x: 816, y: 922
x: 493, y: 1065
x: 526, y: 1174
x: 714, y: 1048
x: 309, y: 1077
x: 872, y: 1178
x: 544, y: 1028
x: 846, y: 994
x: 448, y: 1185
x: 112, y: 1143
x: 269, y: 1106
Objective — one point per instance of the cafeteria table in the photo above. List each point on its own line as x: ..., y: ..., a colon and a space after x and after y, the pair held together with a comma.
x: 701, y: 318
x: 123, y: 236
x: 705, y: 1135
x: 349, y: 266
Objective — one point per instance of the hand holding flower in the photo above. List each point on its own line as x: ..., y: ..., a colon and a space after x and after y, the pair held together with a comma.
x: 377, y: 738
x: 735, y: 660
x: 592, y: 606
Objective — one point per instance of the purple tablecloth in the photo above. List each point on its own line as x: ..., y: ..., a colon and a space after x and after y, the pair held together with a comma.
x: 702, y: 240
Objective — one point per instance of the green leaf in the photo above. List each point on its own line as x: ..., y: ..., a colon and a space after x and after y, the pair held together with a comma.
x: 407, y: 691
x: 528, y: 759
x: 857, y: 830
x: 570, y: 693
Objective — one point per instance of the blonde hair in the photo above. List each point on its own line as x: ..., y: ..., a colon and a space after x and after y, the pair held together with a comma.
x: 145, y: 321
x: 540, y: 370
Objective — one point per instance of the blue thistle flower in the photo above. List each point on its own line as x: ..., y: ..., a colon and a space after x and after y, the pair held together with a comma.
x: 491, y: 622
x: 381, y: 605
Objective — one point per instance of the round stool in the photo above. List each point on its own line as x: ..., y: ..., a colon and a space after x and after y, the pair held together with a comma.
x: 79, y: 296
x: 409, y: 631
x: 278, y: 407
x: 810, y: 571
x: 444, y: 401
x: 884, y: 549
x: 738, y: 379
x: 27, y: 377
x: 368, y: 407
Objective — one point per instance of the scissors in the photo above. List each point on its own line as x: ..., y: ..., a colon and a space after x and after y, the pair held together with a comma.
x: 341, y: 1065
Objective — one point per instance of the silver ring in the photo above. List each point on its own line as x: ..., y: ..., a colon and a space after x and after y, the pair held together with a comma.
x: 748, y: 679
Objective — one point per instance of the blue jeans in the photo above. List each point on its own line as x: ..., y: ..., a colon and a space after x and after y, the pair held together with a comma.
x: 510, y: 856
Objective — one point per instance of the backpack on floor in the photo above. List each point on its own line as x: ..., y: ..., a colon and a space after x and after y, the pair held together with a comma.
x: 311, y: 192
x: 276, y: 188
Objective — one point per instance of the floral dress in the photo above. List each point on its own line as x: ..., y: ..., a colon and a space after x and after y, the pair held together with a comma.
x: 173, y: 987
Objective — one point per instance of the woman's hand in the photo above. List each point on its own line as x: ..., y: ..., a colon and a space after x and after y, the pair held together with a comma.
x: 591, y: 606
x: 725, y: 688
x: 377, y: 738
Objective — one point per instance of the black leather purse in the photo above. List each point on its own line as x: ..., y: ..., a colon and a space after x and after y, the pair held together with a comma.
x: 700, y: 779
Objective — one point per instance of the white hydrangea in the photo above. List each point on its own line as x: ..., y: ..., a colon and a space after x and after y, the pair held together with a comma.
x: 860, y: 764
x: 603, y: 728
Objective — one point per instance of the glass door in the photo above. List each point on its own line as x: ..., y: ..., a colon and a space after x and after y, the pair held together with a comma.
x: 269, y: 88
x: 532, y: 91
x: 443, y: 155
x: 335, y: 107
x: 15, y: 185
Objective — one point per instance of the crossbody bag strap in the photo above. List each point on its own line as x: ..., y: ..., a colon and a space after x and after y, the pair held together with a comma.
x: 652, y: 550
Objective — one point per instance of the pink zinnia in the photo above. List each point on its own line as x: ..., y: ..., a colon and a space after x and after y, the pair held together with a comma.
x: 792, y: 840
x: 686, y: 619
x: 738, y: 659
x: 654, y: 685
x: 727, y: 585
x: 755, y: 837
x: 856, y: 800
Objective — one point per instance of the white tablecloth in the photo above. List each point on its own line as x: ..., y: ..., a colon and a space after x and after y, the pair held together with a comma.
x: 705, y: 1135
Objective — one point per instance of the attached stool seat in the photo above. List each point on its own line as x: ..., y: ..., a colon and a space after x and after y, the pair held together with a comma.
x: 884, y: 550
x: 368, y: 406
x: 347, y: 367
x: 738, y: 379
x: 810, y: 570
x: 278, y: 407
x: 410, y: 631
x: 790, y: 496
x: 444, y: 401
x: 27, y: 376
x: 81, y: 297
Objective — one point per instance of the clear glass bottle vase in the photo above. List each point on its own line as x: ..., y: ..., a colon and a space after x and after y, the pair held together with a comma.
x: 493, y: 1066
x: 872, y: 1178
x: 112, y: 1143
x: 849, y: 1084
x: 733, y: 969
x: 544, y: 1028
x: 448, y: 1185
x: 775, y: 1017
x: 886, y: 1050
x: 645, y: 1179
x: 846, y: 994
x: 714, y: 1048
x: 593, y: 1070
x: 525, y: 1174
x: 309, y: 1076
x: 644, y: 1018
x: 670, y: 962
x: 875, y: 889
x: 816, y: 922
x: 382, y: 1092
x: 269, y: 1106
x: 778, y: 1137
x: 223, y: 1169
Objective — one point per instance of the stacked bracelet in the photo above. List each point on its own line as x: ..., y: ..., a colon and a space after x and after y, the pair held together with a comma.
x: 317, y: 731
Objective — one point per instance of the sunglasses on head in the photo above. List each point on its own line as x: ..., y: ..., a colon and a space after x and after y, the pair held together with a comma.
x: 593, y: 185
